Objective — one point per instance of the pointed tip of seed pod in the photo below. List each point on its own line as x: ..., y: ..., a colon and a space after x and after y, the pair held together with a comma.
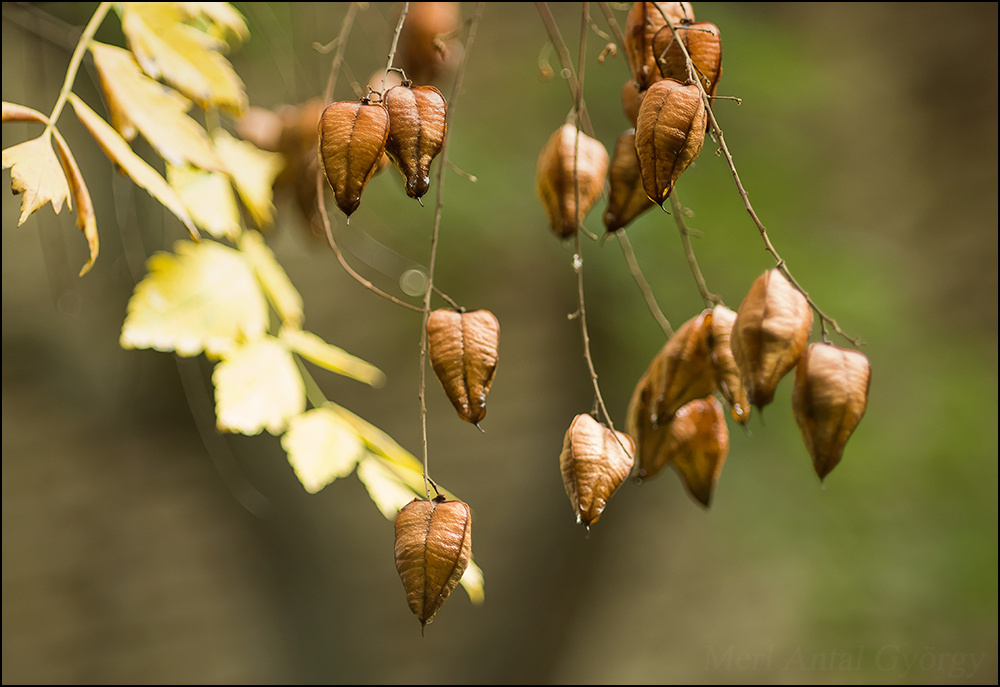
x: 479, y: 428
x: 420, y: 200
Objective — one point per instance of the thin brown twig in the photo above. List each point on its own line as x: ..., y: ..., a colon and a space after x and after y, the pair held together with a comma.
x: 640, y: 280
x: 435, y: 234
x: 710, y: 298
x: 566, y: 61
x: 781, y: 265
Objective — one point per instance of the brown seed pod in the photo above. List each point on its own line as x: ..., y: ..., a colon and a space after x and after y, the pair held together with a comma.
x: 554, y: 178
x: 703, y: 44
x: 463, y: 347
x: 352, y: 138
x: 643, y: 21
x: 594, y: 462
x: 416, y: 133
x: 829, y: 400
x: 701, y: 445
x: 770, y: 333
x: 669, y: 134
x: 627, y: 199
x: 727, y: 374
x: 433, y: 547
x: 424, y: 52
x: 631, y: 100
x: 682, y: 371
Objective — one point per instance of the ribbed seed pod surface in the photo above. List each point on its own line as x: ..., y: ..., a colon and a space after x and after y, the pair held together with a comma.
x: 727, y: 373
x: 642, y: 22
x: 669, y: 134
x: 464, y: 351
x: 627, y: 198
x: 594, y: 462
x: 432, y: 550
x: 770, y: 333
x: 558, y: 166
x: 829, y: 400
x: 703, y: 43
x: 417, y: 127
x: 352, y: 138
x: 702, y: 445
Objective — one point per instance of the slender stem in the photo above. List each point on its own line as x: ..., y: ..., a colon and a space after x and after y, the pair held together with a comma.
x: 395, y: 41
x: 710, y: 298
x: 75, y: 60
x: 565, y: 60
x: 435, y: 234
x: 640, y: 280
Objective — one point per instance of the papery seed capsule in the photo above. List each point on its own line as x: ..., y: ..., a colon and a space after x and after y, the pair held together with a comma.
x: 702, y: 445
x: 829, y: 400
x: 562, y: 175
x: 352, y: 138
x: 594, y: 462
x: 770, y: 333
x: 683, y: 370
x: 627, y: 199
x: 631, y: 100
x: 727, y: 374
x: 669, y: 134
x: 423, y: 51
x: 644, y: 19
x: 703, y: 44
x: 416, y: 133
x: 464, y: 352
x: 432, y: 550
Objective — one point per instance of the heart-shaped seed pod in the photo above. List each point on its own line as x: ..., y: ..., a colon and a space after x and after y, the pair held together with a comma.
x: 668, y: 135
x: 594, y: 462
x: 416, y: 133
x: 829, y: 400
x: 727, y: 374
x: 770, y: 333
x: 702, y: 445
x: 433, y: 547
x: 562, y: 175
x: 463, y: 347
x: 643, y: 21
x: 682, y: 371
x: 631, y: 100
x: 352, y: 138
x: 627, y: 199
x: 703, y: 44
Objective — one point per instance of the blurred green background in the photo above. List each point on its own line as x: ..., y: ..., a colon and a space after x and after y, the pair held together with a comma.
x: 140, y: 546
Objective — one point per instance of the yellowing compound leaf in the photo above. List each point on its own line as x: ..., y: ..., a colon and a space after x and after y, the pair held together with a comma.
x: 204, y: 298
x: 253, y: 172
x: 35, y: 171
x: 119, y: 152
x: 257, y: 387
x: 278, y: 287
x: 86, y: 220
x: 321, y: 448
x: 138, y: 103
x: 222, y: 20
x: 184, y: 56
x: 209, y: 199
x: 328, y: 356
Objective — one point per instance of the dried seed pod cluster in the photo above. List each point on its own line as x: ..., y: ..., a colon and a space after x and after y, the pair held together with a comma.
x: 642, y: 23
x: 672, y: 415
x: 703, y: 44
x: 770, y: 333
x: 463, y: 348
x: 570, y: 176
x: 669, y: 134
x: 594, y: 463
x: 829, y: 400
x: 432, y: 550
x: 408, y: 125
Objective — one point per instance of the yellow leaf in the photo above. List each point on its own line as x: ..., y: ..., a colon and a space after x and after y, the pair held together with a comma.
x: 12, y: 112
x: 137, y: 102
x: 119, y: 152
x: 384, y: 487
x: 321, y: 447
x: 473, y: 582
x: 86, y: 220
x: 278, y: 287
x: 258, y: 386
x: 385, y: 446
x: 224, y: 21
x: 35, y: 171
x: 184, y: 56
x: 204, y: 298
x: 252, y: 171
x: 208, y: 197
x: 330, y: 357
